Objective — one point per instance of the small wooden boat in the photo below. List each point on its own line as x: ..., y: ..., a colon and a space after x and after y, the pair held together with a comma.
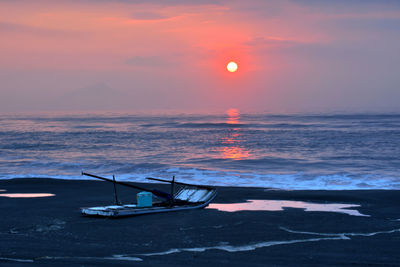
x: 187, y: 197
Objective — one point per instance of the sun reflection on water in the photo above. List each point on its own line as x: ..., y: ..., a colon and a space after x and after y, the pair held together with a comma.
x: 233, y: 116
x: 233, y: 147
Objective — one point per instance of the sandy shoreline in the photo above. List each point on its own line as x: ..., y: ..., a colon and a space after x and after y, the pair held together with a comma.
x: 51, y: 231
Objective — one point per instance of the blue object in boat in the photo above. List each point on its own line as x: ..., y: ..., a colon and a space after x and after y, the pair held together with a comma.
x: 144, y: 199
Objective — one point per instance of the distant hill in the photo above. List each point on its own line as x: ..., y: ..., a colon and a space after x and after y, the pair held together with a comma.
x: 95, y: 97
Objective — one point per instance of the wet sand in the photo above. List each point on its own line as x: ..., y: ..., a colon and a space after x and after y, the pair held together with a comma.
x: 50, y: 231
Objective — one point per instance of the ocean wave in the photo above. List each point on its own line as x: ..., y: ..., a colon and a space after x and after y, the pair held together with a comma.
x: 265, y: 150
x: 201, y: 125
x: 294, y: 181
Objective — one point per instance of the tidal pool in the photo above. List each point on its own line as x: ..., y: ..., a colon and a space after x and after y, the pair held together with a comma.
x: 26, y: 195
x: 279, y: 205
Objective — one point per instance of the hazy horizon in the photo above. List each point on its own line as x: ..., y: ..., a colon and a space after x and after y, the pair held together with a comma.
x: 162, y: 56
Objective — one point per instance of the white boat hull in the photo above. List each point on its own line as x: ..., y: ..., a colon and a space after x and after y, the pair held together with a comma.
x: 132, y: 209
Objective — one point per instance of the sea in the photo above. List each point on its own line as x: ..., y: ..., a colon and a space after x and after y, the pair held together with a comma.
x: 232, y: 148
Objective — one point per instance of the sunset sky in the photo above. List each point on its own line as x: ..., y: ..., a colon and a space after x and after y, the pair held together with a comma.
x: 293, y: 56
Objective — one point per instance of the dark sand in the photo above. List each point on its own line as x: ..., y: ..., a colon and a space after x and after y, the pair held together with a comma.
x: 50, y: 231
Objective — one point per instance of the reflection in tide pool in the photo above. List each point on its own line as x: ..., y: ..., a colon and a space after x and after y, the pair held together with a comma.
x: 278, y: 205
x: 26, y: 195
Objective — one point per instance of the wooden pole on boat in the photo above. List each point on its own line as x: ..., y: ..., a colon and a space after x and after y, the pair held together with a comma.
x: 172, y: 190
x: 154, y: 191
x: 115, y: 192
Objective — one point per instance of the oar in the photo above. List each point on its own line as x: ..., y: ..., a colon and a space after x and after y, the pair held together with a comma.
x: 154, y: 191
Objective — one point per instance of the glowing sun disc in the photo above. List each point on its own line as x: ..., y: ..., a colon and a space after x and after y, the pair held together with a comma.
x: 232, y: 66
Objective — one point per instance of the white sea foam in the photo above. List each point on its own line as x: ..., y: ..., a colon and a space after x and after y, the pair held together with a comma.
x: 123, y: 258
x: 229, y: 248
x: 113, y: 258
x: 254, y: 246
x: 223, y: 247
x: 16, y: 260
x: 344, y: 235
x: 297, y: 181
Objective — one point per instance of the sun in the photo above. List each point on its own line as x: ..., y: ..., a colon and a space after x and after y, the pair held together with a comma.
x: 232, y: 66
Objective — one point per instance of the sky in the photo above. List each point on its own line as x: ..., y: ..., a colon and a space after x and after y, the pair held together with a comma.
x: 147, y: 55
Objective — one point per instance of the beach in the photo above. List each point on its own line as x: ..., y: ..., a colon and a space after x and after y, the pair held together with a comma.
x: 50, y: 231
x: 254, y: 133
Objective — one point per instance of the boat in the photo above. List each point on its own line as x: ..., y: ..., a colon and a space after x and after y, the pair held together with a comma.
x: 182, y: 197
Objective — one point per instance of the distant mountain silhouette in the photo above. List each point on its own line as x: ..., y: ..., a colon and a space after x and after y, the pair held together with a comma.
x: 95, y: 97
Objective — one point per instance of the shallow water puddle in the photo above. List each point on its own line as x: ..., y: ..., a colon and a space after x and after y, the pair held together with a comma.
x: 26, y: 195
x: 279, y: 205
